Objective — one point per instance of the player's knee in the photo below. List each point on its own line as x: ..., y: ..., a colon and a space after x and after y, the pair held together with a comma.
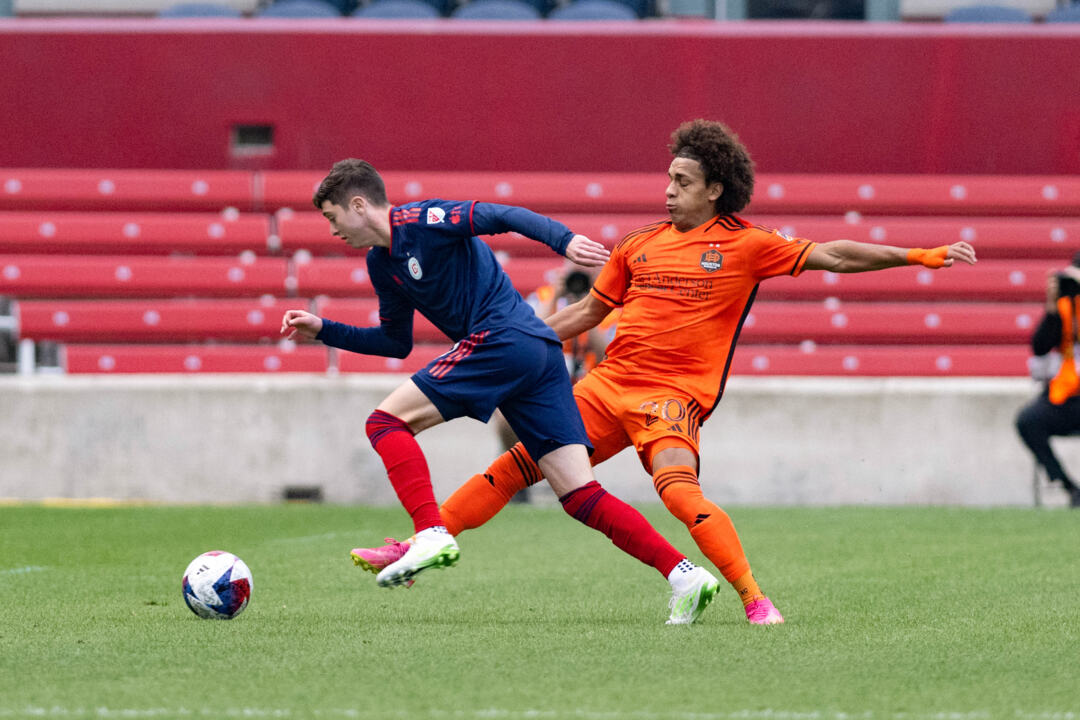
x: 379, y: 424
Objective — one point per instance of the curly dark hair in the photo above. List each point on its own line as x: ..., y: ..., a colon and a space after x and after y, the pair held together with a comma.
x: 348, y: 178
x: 722, y: 157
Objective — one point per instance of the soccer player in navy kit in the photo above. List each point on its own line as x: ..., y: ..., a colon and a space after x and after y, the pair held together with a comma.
x: 425, y: 256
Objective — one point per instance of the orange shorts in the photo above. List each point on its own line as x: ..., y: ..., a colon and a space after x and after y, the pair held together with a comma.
x: 650, y: 418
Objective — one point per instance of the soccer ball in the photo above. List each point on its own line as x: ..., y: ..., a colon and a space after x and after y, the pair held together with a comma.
x: 217, y: 585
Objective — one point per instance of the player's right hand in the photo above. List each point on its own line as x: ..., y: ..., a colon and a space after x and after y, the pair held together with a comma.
x: 586, y: 252
x: 300, y: 324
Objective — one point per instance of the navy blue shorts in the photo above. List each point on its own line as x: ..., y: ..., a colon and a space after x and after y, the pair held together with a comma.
x: 522, y: 375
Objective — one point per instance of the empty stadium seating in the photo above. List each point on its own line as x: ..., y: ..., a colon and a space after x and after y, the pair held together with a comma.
x: 397, y: 10
x: 643, y: 192
x: 990, y: 280
x: 193, y: 359
x: 89, y: 321
x: 365, y: 313
x: 496, y: 10
x: 72, y: 276
x: 56, y: 190
x: 213, y: 190
x: 929, y: 361
x: 298, y: 10
x: 189, y: 271
x: 135, y: 233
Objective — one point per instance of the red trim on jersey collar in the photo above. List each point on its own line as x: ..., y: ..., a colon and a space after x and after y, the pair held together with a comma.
x: 390, y: 219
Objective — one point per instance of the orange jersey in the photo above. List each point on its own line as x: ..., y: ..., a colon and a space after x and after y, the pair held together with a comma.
x: 684, y: 297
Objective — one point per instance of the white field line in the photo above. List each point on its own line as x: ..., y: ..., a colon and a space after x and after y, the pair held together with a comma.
x: 56, y: 711
x: 26, y: 569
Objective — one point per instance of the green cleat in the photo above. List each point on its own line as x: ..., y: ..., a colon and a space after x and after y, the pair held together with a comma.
x: 687, y: 605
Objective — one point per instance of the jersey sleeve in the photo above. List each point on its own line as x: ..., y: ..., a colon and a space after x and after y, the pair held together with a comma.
x: 775, y: 253
x: 393, y: 337
x: 456, y: 219
x: 614, y: 279
x: 493, y: 218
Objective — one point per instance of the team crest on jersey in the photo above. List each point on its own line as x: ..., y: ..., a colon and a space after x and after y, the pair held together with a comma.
x: 415, y: 270
x: 712, y: 260
x: 435, y: 215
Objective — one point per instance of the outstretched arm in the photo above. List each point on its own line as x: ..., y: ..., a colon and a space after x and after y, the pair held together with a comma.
x: 575, y: 319
x: 493, y: 218
x: 385, y: 341
x: 848, y: 256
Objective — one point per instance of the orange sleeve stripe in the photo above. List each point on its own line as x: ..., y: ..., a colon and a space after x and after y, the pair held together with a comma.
x: 604, y: 298
x: 801, y: 260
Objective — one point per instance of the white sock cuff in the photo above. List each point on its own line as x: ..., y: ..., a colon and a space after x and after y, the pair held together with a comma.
x: 679, y: 571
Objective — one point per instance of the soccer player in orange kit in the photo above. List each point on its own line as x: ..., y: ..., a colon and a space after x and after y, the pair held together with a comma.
x: 685, y: 286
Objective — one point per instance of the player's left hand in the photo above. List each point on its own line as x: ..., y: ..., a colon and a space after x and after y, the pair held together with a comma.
x: 586, y: 252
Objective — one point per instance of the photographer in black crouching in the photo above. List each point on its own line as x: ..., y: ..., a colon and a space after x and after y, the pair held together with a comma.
x: 1056, y: 410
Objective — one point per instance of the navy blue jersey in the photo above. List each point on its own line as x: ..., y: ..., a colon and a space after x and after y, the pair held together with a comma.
x: 437, y: 265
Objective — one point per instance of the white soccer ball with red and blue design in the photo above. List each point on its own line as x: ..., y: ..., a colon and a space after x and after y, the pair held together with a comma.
x: 217, y: 585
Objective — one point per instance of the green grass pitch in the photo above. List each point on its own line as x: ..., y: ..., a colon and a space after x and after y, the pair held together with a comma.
x: 892, y: 613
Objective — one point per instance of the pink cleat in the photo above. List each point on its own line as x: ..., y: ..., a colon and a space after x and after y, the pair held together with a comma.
x: 763, y: 612
x: 375, y: 559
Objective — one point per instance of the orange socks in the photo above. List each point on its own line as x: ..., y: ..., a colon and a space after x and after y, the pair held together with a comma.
x: 710, y: 527
x: 747, y: 588
x: 484, y: 495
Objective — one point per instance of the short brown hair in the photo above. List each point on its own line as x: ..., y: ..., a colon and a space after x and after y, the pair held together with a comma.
x: 349, y: 178
x: 723, y: 159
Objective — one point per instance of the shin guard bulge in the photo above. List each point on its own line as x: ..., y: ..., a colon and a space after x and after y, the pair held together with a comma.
x: 484, y: 495
x: 711, y: 528
x: 406, y: 466
x: 626, y: 527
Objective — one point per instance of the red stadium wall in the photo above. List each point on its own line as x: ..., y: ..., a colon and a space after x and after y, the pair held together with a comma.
x: 446, y: 95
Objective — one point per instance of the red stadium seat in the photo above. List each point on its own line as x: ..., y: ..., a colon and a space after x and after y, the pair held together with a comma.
x: 644, y: 192
x: 528, y: 274
x: 153, y: 320
x: 891, y: 323
x: 420, y: 356
x: 997, y: 280
x: 61, y: 189
x: 108, y: 233
x: 992, y: 238
x: 365, y: 313
x: 310, y: 231
x: 333, y: 276
x: 543, y: 192
x: 917, y: 194
x: 194, y: 358
x: 347, y: 277
x: 55, y: 276
x: 917, y: 361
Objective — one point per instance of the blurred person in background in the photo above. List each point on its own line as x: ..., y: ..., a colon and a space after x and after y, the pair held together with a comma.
x: 1055, y: 411
x: 582, y: 352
